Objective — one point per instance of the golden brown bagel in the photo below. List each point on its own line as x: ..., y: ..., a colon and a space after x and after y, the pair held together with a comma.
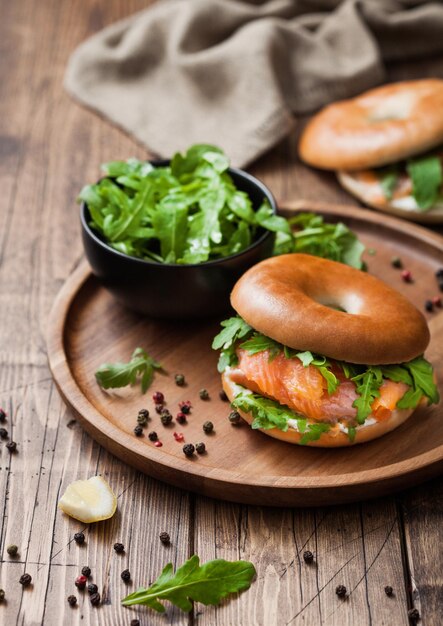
x: 332, y: 439
x: 381, y: 126
x: 289, y: 299
x: 365, y: 186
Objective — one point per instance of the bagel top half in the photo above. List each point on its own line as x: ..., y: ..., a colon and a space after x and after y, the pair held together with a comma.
x: 311, y: 303
x: 381, y: 126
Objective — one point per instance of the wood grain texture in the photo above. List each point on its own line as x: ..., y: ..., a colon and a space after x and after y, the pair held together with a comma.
x: 49, y: 147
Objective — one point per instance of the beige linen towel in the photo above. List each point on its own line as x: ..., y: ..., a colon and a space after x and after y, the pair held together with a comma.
x: 234, y: 72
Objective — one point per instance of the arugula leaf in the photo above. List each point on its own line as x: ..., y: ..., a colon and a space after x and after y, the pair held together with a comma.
x: 427, y: 177
x: 423, y: 377
x: 141, y: 366
x: 234, y: 328
x: 267, y: 413
x: 352, y: 431
x: 208, y: 583
x: 388, y: 177
x: 368, y: 385
x: 314, y: 432
x: 259, y: 343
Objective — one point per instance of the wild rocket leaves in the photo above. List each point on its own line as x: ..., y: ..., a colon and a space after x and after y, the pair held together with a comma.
x: 192, y: 212
x: 208, y: 583
x: 141, y: 367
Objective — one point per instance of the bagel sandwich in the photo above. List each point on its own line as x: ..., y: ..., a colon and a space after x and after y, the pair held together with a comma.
x: 386, y: 147
x: 309, y: 358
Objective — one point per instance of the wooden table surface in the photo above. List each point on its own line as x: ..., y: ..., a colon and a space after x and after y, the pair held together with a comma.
x: 49, y: 147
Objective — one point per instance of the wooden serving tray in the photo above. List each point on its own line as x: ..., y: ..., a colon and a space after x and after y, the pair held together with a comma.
x: 87, y: 328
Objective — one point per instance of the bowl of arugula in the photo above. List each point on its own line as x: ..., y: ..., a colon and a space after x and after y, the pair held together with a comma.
x: 170, y: 238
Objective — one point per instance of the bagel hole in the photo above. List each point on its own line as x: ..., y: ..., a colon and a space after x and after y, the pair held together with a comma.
x: 350, y: 303
x: 396, y: 107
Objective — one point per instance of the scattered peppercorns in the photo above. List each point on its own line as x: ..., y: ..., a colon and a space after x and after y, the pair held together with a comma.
x: 185, y: 406
x: 119, y: 548
x: 439, y: 273
x: 389, y: 591
x: 125, y: 575
x: 234, y: 417
x: 25, y: 580
x: 158, y: 397
x: 208, y: 427
x: 11, y: 446
x: 86, y: 571
x: 95, y: 599
x: 92, y: 588
x: 200, y: 447
x: 153, y: 436
x: 138, y: 430
x: 180, y: 380
x: 2, y: 595
x: 135, y: 622
x: 2, y: 415
x: 406, y: 276
x: 159, y: 408
x: 178, y: 437
x: 158, y: 444
x: 308, y: 557
x: 3, y: 433
x: 223, y: 397
x: 436, y: 301
x: 80, y: 582
x: 396, y: 262
x: 142, y: 417
x: 165, y: 538
x: 429, y: 307
x: 413, y: 615
x: 12, y: 550
x: 204, y: 394
x: 188, y: 449
x: 340, y: 590
x: 79, y: 538
x: 166, y: 417
x: 180, y: 418
x: 72, y: 600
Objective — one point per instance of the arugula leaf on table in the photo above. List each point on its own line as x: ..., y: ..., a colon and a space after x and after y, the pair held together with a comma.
x: 141, y: 367
x: 208, y: 583
x: 427, y: 177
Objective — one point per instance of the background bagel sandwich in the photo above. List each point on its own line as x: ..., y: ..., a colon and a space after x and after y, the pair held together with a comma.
x: 279, y: 380
x: 385, y: 146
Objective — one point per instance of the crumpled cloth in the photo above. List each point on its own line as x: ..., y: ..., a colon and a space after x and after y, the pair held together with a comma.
x: 237, y: 72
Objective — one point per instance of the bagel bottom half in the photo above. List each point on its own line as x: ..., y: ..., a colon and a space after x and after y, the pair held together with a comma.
x: 336, y: 438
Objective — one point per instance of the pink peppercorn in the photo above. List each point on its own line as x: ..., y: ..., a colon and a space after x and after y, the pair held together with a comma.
x: 178, y: 436
x: 436, y: 301
x: 406, y: 276
x: 181, y: 418
x: 80, y: 582
x: 158, y: 397
x: 158, y: 444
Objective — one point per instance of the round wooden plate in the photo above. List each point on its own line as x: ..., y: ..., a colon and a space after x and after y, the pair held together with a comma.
x: 87, y: 328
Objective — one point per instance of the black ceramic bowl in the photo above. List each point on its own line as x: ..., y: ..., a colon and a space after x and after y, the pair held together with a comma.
x: 172, y: 291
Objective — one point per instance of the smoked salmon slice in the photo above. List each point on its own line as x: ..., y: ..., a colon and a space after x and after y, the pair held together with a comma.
x: 304, y: 389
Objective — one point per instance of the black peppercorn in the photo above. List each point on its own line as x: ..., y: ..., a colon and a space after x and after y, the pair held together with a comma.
x: 3, y: 433
x: 142, y: 417
x: 125, y: 575
x: 439, y: 273
x: 79, y: 538
x: 188, y: 449
x: 2, y: 415
x: 72, y: 600
x: 185, y: 407
x: 135, y: 622
x: 92, y: 588
x: 12, y: 550
x: 95, y: 599
x: 234, y: 417
x: 200, y: 447
x: 208, y: 427
x: 11, y: 446
x: 204, y: 395
x: 223, y: 396
x: 388, y: 590
x: 440, y: 284
x: 159, y: 408
x: 181, y: 418
x: 25, y: 580
x: 396, y: 262
x: 2, y: 595
x: 166, y: 417
x: 165, y: 538
x: 138, y: 430
x: 86, y: 571
x: 308, y: 556
x: 119, y: 548
x: 180, y: 380
x: 429, y: 307
x: 153, y: 436
x: 340, y: 591
x: 413, y: 615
